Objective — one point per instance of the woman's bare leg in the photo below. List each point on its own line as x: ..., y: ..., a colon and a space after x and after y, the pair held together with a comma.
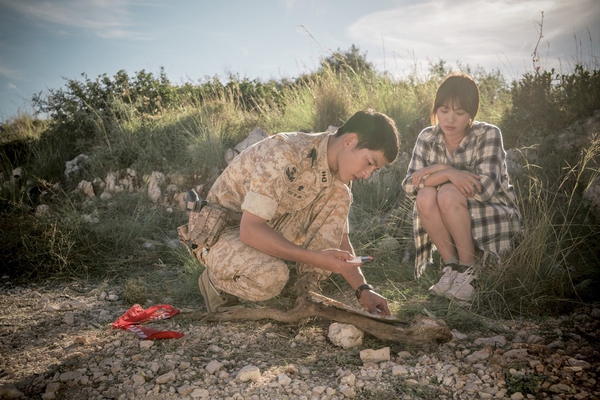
x: 454, y: 212
x: 431, y: 218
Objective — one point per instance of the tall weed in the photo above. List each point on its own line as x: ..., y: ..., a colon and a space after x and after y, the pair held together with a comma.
x: 556, y: 260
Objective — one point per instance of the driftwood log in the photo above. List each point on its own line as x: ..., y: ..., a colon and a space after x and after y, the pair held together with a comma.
x: 420, y: 331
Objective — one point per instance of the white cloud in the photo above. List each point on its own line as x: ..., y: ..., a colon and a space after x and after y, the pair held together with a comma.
x: 9, y: 73
x: 480, y: 32
x: 12, y: 86
x: 105, y: 18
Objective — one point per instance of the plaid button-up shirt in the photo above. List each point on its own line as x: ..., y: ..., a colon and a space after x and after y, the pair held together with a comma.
x: 495, y: 216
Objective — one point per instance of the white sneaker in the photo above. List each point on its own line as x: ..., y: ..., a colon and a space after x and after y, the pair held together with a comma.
x: 445, y: 282
x: 461, y: 288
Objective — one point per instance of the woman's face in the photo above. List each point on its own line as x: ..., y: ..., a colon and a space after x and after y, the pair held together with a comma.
x: 452, y: 119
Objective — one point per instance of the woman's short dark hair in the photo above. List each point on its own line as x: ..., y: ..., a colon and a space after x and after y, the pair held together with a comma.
x: 462, y: 90
x: 375, y: 131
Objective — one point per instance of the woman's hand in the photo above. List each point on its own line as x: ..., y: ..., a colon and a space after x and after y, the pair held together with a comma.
x: 417, y: 176
x: 466, y: 182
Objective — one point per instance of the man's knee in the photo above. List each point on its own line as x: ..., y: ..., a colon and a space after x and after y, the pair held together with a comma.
x: 245, y: 272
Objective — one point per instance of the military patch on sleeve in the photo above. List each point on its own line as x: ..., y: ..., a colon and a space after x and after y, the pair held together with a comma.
x: 291, y: 173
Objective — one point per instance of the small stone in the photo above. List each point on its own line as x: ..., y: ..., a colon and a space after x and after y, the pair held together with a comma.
x: 69, y: 319
x: 138, y: 379
x: 319, y: 389
x: 185, y: 390
x: 199, y: 394
x: 69, y: 376
x: 349, y: 380
x: 375, y: 356
x: 213, y: 367
x: 345, y: 335
x: 146, y: 344
x: 399, y: 370
x: 165, y: 378
x: 52, y: 387
x: 284, y: 380
x: 10, y: 391
x: 249, y: 372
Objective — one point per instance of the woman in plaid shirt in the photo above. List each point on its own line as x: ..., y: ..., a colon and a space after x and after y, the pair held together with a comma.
x: 464, y: 203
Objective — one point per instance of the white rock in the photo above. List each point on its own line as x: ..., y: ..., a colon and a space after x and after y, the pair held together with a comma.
x: 200, y: 394
x: 87, y: 189
x: 349, y: 380
x: 399, y: 370
x: 494, y: 341
x: 249, y: 372
x: 165, y: 378
x: 146, y: 344
x: 154, y: 191
x: 42, y: 210
x: 375, y: 356
x: 213, y: 367
x: 185, y: 390
x: 155, y: 367
x: 105, y: 196
x: 138, y: 379
x: 477, y: 356
x: 458, y: 335
x: 255, y: 136
x: 284, y: 380
x: 345, y: 335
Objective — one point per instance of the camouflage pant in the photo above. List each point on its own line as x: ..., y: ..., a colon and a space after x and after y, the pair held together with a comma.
x: 250, y: 274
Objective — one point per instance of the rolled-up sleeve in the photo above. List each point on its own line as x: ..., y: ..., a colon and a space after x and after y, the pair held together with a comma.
x: 490, y: 157
x: 266, y: 174
x: 417, y: 162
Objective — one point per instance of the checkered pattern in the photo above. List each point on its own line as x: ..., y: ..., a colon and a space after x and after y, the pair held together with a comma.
x: 495, y: 216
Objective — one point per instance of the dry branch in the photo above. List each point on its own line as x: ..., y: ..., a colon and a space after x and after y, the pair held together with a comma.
x: 422, y: 330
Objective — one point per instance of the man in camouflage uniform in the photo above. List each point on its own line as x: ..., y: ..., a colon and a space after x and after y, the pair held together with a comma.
x: 293, y: 192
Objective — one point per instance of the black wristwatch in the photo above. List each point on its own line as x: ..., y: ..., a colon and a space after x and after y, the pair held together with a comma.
x: 361, y: 288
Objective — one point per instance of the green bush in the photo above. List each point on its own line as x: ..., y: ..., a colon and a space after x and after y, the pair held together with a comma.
x: 146, y: 123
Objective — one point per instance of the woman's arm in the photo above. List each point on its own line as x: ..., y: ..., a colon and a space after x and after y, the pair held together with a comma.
x: 490, y: 158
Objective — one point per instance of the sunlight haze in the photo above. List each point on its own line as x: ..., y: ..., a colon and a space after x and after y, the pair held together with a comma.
x: 42, y: 43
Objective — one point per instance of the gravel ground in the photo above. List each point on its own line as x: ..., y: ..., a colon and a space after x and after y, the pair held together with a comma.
x: 57, y: 343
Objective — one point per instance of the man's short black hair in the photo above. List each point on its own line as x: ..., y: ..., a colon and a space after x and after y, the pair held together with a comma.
x: 375, y: 131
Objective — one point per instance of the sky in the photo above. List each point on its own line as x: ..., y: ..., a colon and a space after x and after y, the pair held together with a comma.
x: 45, y: 42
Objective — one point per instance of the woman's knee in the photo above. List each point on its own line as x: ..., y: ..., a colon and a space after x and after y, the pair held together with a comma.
x: 449, y: 198
x: 426, y: 199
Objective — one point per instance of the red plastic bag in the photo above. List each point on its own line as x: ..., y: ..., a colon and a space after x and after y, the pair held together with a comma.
x: 137, y: 315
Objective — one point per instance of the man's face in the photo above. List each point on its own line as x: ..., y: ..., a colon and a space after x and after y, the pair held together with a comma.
x: 355, y: 163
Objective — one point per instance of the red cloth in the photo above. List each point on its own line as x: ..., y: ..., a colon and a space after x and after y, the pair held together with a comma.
x: 137, y: 315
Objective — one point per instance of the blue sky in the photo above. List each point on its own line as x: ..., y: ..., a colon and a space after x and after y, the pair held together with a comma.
x: 43, y: 42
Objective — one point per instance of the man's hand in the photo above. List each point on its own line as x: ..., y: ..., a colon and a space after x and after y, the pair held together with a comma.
x: 335, y: 260
x: 375, y: 303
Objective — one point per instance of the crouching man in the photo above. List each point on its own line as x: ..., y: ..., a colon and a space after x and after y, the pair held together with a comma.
x: 293, y: 193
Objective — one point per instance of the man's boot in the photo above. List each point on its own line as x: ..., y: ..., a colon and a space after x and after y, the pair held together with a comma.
x: 215, y: 300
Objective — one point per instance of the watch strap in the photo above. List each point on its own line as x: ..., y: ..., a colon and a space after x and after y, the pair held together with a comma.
x: 361, y: 288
